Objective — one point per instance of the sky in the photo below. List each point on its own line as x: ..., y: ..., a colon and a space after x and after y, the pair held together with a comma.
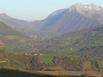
x: 38, y: 9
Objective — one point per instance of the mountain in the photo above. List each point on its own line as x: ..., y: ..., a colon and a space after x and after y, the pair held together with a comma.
x: 17, y: 24
x: 78, y: 16
x: 75, y: 18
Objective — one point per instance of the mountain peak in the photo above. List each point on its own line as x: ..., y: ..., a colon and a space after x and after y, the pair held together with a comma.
x: 85, y: 7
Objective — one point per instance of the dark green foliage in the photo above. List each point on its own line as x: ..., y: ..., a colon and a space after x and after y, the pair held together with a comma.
x: 79, y: 42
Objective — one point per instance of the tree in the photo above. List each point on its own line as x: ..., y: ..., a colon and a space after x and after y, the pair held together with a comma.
x: 55, y: 60
x: 35, y: 61
x: 97, y: 66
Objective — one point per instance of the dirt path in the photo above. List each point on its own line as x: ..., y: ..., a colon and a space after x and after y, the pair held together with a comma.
x: 72, y: 73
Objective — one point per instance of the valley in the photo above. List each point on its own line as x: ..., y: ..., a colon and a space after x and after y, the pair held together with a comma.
x: 67, y: 41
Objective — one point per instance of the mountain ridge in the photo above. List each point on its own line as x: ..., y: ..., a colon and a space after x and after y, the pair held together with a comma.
x: 76, y: 17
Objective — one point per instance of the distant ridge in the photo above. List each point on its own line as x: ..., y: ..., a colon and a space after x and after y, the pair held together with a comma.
x: 77, y: 17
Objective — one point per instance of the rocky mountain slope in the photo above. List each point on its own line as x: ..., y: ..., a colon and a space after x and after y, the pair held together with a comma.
x: 72, y: 19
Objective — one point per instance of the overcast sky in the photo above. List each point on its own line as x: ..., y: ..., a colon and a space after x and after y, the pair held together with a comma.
x: 37, y: 9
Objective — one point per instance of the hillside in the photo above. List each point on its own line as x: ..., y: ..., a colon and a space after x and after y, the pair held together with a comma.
x: 80, y: 42
x: 14, y: 40
x: 22, y: 26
